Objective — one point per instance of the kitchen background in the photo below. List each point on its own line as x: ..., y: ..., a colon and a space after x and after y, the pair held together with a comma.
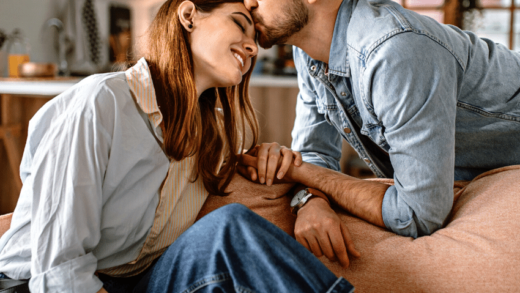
x: 82, y: 37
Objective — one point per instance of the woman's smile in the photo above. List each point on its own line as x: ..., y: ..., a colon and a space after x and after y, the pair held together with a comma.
x: 239, y: 59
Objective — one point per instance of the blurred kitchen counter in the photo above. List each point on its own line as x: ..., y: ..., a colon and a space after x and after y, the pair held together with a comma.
x: 36, y: 86
x: 56, y: 85
x: 274, y: 98
x: 273, y: 81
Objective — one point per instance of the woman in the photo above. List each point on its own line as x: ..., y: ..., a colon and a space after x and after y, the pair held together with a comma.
x: 117, y: 168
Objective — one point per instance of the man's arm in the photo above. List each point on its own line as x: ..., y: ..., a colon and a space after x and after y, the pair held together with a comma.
x: 417, y: 108
x: 361, y: 198
x: 320, y: 145
x: 414, y: 99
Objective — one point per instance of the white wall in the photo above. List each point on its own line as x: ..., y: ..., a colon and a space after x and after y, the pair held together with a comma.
x: 30, y: 16
x: 143, y: 12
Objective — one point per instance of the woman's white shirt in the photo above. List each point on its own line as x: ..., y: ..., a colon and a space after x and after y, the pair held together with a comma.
x: 91, y: 173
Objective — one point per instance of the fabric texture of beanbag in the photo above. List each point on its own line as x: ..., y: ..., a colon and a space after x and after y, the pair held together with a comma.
x: 478, y: 249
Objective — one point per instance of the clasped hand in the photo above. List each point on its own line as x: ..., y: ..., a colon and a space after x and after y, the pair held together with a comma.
x: 318, y: 228
x: 261, y: 163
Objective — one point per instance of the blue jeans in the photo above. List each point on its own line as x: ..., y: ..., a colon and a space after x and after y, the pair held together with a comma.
x: 233, y: 250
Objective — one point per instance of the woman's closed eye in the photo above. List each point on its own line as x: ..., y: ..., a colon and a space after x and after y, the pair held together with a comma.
x: 239, y: 25
x: 243, y: 22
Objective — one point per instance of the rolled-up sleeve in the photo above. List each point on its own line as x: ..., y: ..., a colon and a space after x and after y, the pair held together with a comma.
x: 75, y: 275
x: 317, y: 140
x: 66, y: 177
x: 418, y: 109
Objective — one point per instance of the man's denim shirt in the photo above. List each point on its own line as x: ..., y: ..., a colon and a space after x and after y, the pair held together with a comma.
x: 419, y: 101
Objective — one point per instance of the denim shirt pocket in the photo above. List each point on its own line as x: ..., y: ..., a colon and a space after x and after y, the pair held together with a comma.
x: 325, y: 103
x: 329, y: 110
x: 376, y: 134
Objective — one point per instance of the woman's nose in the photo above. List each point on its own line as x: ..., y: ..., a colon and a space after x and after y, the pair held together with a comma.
x: 251, y: 49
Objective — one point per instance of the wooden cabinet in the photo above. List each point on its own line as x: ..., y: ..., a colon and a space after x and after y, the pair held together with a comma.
x: 15, y: 113
x: 276, y: 110
x: 20, y: 99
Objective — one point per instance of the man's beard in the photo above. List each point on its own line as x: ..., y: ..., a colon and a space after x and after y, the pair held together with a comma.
x: 294, y: 19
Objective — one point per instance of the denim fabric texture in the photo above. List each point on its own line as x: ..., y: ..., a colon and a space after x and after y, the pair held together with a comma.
x: 421, y: 102
x: 233, y: 249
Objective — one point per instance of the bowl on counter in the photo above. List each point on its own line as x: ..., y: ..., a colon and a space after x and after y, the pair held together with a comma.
x: 34, y: 69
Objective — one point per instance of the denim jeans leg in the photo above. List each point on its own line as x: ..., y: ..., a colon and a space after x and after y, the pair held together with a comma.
x: 235, y: 250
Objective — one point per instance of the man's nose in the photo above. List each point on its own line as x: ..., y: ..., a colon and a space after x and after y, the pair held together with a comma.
x: 250, y: 4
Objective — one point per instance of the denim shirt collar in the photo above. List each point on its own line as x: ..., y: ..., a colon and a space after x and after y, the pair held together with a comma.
x: 338, y: 57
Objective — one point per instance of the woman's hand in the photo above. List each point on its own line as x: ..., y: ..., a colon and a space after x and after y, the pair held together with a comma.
x: 265, y: 160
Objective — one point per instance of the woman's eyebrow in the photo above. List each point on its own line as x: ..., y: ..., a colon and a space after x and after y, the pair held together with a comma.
x: 247, y: 18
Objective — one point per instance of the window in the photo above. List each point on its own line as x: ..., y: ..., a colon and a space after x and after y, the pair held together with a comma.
x: 499, y: 20
x: 431, y: 8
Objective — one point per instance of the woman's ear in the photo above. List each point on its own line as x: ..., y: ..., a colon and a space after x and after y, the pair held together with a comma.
x: 186, y: 12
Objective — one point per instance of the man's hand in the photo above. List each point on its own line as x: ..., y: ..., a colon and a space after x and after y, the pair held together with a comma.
x: 265, y: 160
x: 320, y: 230
x: 102, y: 290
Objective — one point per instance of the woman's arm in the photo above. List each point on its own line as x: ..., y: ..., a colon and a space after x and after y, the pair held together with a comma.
x: 65, y: 180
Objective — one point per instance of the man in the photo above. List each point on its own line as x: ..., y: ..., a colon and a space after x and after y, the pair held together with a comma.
x: 421, y: 102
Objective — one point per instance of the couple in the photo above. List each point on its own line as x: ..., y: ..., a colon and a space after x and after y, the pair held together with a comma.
x: 116, y: 169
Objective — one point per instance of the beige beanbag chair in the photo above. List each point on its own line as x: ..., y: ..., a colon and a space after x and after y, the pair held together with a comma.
x: 477, y: 251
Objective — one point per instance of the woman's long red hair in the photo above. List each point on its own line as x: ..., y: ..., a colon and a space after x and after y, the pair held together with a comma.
x: 193, y: 126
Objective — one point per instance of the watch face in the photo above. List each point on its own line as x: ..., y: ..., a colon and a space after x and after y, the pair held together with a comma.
x: 298, y: 197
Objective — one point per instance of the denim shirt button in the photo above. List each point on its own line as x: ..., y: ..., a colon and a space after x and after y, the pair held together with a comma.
x: 347, y: 130
x: 366, y: 160
x: 343, y: 94
x: 313, y: 67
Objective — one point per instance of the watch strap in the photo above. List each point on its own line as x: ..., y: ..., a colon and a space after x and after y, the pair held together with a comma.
x: 318, y: 193
x: 310, y: 192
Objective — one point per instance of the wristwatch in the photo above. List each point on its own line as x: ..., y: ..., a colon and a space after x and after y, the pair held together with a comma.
x: 299, y: 199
